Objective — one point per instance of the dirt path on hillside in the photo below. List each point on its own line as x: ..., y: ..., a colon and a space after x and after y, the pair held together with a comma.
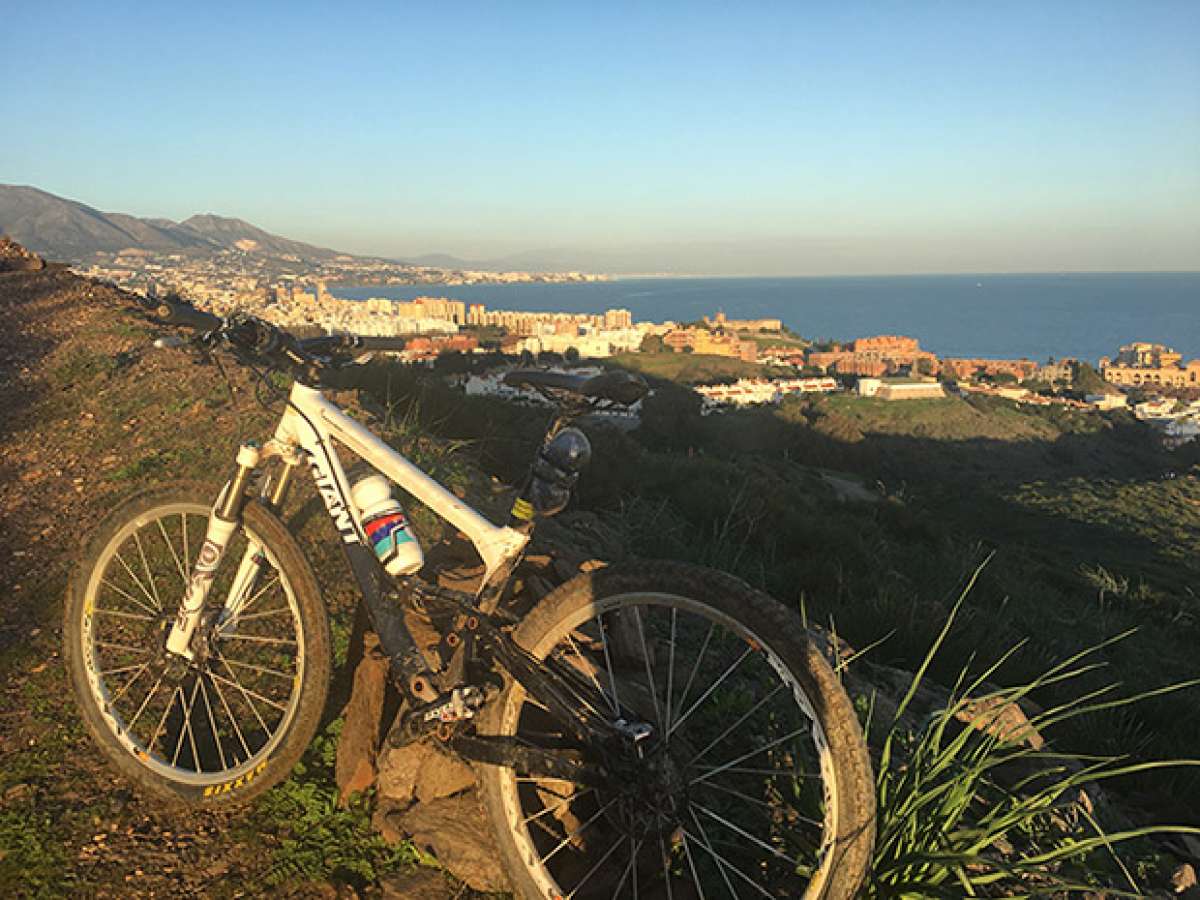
x: 89, y: 413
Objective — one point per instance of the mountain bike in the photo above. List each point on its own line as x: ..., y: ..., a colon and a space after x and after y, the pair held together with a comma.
x: 649, y: 729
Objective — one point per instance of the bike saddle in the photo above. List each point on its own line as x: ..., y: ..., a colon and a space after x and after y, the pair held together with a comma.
x: 619, y: 386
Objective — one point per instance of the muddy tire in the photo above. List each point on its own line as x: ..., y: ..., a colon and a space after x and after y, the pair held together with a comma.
x: 231, y: 724
x: 553, y: 837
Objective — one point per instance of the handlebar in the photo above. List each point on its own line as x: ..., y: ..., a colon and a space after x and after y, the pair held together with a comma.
x: 254, y: 340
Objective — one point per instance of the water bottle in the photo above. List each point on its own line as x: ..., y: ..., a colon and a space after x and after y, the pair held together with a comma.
x: 387, y: 528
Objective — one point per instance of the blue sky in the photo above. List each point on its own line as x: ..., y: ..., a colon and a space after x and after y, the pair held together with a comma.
x: 727, y: 138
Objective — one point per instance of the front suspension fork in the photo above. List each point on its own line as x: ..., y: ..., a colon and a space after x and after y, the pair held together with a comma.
x: 224, y: 521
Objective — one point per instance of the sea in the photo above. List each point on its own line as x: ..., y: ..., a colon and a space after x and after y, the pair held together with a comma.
x: 1085, y: 316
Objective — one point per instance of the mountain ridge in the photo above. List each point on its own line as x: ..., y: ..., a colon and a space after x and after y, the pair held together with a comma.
x: 60, y: 228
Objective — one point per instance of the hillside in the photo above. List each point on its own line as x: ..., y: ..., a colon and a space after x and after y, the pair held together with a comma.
x: 89, y: 414
x: 64, y: 229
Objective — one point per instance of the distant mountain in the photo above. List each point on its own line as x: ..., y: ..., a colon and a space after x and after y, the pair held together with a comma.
x: 62, y: 229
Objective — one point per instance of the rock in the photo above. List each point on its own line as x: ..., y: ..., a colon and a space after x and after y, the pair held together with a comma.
x: 355, y: 769
x: 15, y: 258
x: 419, y: 884
x: 1002, y: 718
x: 442, y: 775
x: 423, y: 772
x: 1184, y: 879
x: 455, y: 831
x: 398, y: 769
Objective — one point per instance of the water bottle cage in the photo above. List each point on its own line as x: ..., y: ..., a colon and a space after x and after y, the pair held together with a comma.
x: 556, y: 469
x: 550, y: 488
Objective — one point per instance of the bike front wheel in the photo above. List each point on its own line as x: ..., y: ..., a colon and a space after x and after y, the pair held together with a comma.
x: 754, y: 779
x: 233, y: 721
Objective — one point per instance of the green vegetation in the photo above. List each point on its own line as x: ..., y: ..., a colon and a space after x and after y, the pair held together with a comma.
x: 316, y: 838
x: 1054, y: 493
x: 693, y: 368
x: 762, y: 339
x: 969, y: 811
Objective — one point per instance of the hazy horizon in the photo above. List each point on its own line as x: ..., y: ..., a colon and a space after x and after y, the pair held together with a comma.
x: 691, y: 139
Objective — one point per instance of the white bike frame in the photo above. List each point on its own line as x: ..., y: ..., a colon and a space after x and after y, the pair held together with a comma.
x: 306, y: 432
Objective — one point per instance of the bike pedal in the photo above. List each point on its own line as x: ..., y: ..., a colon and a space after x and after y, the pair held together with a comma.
x: 449, y: 709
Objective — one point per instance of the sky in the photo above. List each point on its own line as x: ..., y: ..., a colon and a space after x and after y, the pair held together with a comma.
x: 749, y: 138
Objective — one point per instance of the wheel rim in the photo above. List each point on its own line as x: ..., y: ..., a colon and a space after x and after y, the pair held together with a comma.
x: 214, y: 723
x: 743, y: 802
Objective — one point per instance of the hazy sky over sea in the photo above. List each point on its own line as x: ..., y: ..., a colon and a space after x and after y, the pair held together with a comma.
x: 788, y: 138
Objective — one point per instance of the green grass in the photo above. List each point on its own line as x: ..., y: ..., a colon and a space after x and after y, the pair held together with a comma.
x: 82, y: 366
x: 317, y: 839
x: 1054, y: 493
x: 979, y: 811
x: 692, y: 368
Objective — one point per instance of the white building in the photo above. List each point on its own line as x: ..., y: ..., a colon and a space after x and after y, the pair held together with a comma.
x: 749, y: 392
x: 1107, y: 401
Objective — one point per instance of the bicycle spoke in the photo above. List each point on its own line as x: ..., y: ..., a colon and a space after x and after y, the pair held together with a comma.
x: 545, y: 859
x: 263, y: 669
x: 637, y: 847
x: 249, y: 693
x: 671, y: 665
x: 142, y: 708
x: 212, y: 722
x: 728, y: 731
x: 108, y: 584
x: 175, y: 556
x: 122, y: 615
x: 162, y: 721
x: 146, y: 565
x: 254, y: 637
x: 589, y: 668
x: 612, y: 680
x: 124, y: 647
x: 239, y: 619
x: 723, y: 864
x: 188, y: 706
x: 772, y: 808
x: 777, y: 773
x: 637, y: 618
x: 711, y: 688
x: 122, y: 669
x: 136, y: 675
x: 136, y: 580
x: 556, y: 806
x: 232, y: 721
x: 695, y: 670
x: 687, y: 851
x: 775, y: 743
x: 747, y: 835
x: 187, y: 563
x: 592, y: 871
x: 245, y: 606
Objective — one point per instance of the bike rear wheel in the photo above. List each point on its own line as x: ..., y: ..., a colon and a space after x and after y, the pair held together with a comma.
x: 235, y: 720
x: 756, y: 781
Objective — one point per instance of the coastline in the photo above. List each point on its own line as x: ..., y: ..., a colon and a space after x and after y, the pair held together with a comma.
x: 1084, y: 315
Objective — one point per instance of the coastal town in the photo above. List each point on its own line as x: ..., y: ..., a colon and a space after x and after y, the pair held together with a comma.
x: 1152, y: 381
x: 246, y: 275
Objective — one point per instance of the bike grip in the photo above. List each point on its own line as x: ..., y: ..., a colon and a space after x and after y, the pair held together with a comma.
x: 186, y: 315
